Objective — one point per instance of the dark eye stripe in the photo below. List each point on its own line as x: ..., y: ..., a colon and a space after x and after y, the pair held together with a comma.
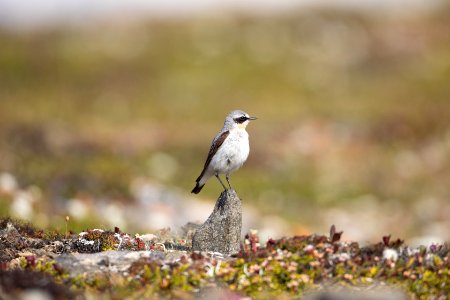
x: 241, y: 119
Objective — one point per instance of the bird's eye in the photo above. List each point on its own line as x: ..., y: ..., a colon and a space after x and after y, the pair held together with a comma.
x: 241, y: 119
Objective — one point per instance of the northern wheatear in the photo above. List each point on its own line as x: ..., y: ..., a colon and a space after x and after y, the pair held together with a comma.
x: 229, y: 150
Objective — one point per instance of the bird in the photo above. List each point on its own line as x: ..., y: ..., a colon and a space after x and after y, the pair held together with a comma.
x: 229, y: 150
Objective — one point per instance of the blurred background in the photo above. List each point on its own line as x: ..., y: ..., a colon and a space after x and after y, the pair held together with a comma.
x: 107, y: 111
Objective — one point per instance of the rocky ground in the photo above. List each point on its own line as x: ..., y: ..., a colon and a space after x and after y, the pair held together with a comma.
x: 98, y: 264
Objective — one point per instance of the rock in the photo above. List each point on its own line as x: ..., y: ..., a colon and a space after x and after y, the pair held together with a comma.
x: 106, y: 261
x: 370, y: 292
x: 147, y: 237
x: 188, y: 231
x: 222, y: 230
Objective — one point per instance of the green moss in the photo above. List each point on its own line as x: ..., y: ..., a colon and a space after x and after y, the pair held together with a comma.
x: 50, y: 267
x: 278, y: 273
x: 107, y: 239
x: 289, y: 267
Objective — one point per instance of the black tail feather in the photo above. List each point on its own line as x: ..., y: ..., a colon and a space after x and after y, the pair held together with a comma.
x: 197, y: 188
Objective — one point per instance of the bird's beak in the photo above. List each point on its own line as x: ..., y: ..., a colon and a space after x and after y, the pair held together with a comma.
x: 252, y: 118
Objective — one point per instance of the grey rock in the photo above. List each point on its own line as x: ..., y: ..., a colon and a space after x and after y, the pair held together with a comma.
x: 376, y: 291
x: 107, y: 261
x: 222, y: 230
x: 188, y: 231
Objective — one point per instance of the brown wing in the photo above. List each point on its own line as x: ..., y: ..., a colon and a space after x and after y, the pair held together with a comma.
x: 214, y: 147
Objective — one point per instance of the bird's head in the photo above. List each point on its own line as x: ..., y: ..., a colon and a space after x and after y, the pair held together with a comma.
x: 238, y: 119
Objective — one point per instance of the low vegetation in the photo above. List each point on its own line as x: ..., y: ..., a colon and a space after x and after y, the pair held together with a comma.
x: 291, y: 267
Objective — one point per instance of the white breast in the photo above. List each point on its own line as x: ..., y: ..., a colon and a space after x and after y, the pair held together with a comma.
x: 233, y: 152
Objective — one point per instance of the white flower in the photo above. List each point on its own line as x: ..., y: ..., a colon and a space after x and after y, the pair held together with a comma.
x: 77, y: 208
x: 8, y: 183
x: 22, y: 205
x: 390, y: 254
x: 309, y: 248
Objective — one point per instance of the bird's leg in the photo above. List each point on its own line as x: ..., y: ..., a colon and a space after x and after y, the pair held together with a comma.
x: 228, y: 180
x: 217, y: 175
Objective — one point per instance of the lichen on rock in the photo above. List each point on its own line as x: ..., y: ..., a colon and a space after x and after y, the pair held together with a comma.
x: 222, y: 230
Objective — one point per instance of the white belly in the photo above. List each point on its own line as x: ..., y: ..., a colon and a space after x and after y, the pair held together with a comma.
x: 232, y: 154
